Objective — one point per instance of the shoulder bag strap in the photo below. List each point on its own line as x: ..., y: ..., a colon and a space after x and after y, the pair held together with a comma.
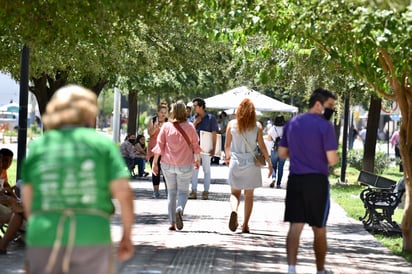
x: 248, y: 146
x: 180, y: 129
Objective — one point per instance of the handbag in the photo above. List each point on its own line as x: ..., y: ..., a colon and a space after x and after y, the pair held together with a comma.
x: 258, y: 156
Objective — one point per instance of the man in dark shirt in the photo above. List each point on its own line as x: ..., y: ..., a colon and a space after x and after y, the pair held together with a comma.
x: 206, y: 122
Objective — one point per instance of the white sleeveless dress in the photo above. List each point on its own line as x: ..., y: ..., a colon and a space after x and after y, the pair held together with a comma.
x: 243, y: 173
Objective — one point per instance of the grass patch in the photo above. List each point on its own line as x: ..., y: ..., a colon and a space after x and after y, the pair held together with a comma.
x: 347, y: 196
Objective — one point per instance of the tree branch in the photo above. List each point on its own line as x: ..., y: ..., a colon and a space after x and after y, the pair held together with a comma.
x: 388, y: 68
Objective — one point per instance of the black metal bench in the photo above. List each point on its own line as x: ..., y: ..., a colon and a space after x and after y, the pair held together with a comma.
x: 380, y: 199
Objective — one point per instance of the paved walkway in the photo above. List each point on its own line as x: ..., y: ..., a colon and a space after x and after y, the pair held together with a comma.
x: 206, y: 245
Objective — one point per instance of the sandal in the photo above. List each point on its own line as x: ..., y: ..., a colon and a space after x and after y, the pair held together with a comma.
x: 233, y: 221
x: 245, y: 229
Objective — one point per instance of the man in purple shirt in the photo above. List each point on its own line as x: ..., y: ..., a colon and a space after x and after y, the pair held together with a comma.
x: 309, y: 141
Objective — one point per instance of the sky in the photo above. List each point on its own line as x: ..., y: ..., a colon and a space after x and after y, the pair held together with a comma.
x: 9, y: 90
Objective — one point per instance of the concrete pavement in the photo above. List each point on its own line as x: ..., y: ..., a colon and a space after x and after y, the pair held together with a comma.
x: 206, y: 245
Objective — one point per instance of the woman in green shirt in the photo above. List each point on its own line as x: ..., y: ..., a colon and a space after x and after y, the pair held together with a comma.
x: 69, y: 179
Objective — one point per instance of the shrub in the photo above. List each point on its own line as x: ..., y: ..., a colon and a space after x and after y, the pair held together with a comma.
x: 355, y: 159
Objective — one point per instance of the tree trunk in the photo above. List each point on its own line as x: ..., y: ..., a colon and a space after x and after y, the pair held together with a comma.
x: 45, y: 86
x: 404, y: 99
x: 371, y: 134
x: 131, y: 123
x: 98, y: 87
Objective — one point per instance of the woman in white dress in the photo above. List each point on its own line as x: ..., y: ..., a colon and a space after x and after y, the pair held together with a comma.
x: 243, y: 134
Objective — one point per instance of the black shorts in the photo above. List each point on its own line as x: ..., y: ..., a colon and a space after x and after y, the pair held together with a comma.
x: 307, y: 199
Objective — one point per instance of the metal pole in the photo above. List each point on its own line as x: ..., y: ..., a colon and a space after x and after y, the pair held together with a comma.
x: 345, y: 140
x: 116, y: 116
x: 24, y: 98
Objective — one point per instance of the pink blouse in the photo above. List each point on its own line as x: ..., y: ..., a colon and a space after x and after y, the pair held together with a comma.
x: 172, y: 146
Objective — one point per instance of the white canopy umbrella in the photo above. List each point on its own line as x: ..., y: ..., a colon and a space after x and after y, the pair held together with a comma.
x: 233, y: 111
x: 232, y: 98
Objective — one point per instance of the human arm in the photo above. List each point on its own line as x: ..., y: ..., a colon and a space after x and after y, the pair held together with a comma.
x: 332, y: 156
x: 214, y: 139
x: 153, y: 127
x: 283, y: 152
x: 262, y: 147
x: 140, y: 151
x: 228, y: 142
x: 155, y: 167
x: 9, y: 190
x: 27, y: 196
x: 197, y: 119
x: 122, y: 192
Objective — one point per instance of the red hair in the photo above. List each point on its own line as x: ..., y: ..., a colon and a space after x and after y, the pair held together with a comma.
x: 246, y: 115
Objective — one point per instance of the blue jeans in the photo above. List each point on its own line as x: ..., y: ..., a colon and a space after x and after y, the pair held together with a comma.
x: 141, y: 163
x: 278, y: 164
x: 205, y: 158
x: 178, y: 180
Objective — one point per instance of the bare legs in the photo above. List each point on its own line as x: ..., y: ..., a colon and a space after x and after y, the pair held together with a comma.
x: 14, y: 225
x: 292, y: 242
x: 235, y: 200
x: 319, y: 244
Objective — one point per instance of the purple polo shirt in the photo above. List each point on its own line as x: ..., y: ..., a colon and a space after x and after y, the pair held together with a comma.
x: 308, y: 136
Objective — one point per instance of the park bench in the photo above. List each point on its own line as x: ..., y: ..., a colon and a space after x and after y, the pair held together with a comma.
x: 380, y: 199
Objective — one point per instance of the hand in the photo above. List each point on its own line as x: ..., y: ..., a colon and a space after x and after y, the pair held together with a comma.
x: 197, y: 164
x: 270, y: 170
x: 125, y: 250
x: 155, y: 169
x: 197, y: 120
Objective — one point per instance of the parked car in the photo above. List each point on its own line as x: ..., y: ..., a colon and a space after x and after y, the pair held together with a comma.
x: 10, y: 118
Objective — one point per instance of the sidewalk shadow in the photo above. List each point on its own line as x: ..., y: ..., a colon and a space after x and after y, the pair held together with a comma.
x: 201, y: 259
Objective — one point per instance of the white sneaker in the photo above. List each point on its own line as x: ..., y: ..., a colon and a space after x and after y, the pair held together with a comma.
x: 326, y: 272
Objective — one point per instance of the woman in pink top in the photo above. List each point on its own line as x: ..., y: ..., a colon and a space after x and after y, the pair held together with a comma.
x: 177, y: 160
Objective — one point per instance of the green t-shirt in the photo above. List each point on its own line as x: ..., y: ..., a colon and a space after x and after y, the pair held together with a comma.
x: 71, y: 168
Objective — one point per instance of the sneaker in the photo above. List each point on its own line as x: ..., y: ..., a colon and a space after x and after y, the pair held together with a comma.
x: 278, y: 186
x: 205, y: 195
x: 233, y: 221
x: 179, y: 219
x: 155, y: 194
x: 193, y: 195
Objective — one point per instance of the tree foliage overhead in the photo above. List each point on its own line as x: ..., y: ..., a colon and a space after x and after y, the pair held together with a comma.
x: 96, y: 42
